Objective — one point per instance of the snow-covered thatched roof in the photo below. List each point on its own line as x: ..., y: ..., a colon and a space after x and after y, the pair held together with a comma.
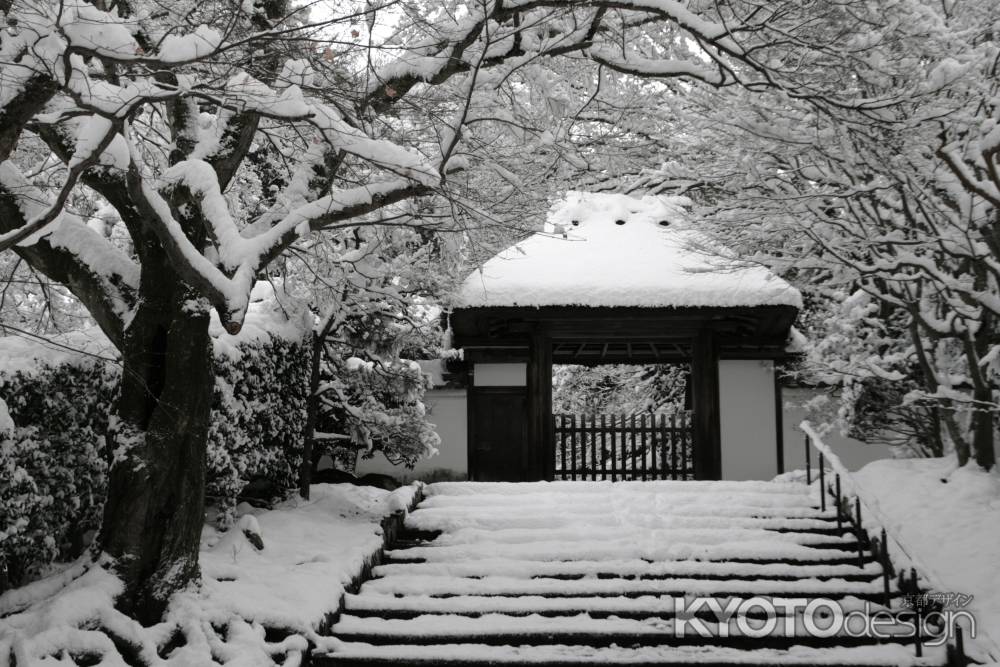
x: 616, y: 250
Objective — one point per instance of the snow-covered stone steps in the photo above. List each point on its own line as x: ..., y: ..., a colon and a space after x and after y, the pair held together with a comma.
x: 761, y: 552
x: 444, y: 518
x: 641, y: 607
x: 436, y: 520
x: 825, y: 557
x: 631, y: 569
x: 592, y: 573
x: 442, y: 586
x: 586, y: 630
x: 528, y: 492
x: 351, y: 654
x: 605, y: 640
x: 572, y: 535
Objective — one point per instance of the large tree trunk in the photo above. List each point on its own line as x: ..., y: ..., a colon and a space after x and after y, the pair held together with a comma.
x: 156, y: 492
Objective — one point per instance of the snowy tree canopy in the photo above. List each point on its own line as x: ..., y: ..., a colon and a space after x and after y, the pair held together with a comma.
x: 168, y: 115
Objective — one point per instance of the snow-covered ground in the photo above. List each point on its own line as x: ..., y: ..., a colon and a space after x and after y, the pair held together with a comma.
x: 312, y: 549
x: 948, y: 520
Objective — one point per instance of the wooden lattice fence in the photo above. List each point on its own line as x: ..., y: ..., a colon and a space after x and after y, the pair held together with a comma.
x: 623, y: 447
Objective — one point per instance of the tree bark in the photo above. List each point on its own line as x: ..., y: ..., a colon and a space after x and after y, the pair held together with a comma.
x: 312, y: 416
x: 982, y: 434
x: 156, y: 492
x: 945, y: 407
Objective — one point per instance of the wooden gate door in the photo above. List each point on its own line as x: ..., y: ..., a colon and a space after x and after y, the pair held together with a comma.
x: 498, y: 434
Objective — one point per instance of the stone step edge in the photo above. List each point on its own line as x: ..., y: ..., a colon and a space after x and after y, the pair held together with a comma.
x: 614, y: 639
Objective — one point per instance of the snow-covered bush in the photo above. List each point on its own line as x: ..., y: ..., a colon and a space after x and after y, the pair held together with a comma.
x: 258, y: 418
x: 51, y: 491
x: 379, y: 406
x: 53, y: 468
x: 377, y: 313
x: 863, y: 349
x: 882, y: 412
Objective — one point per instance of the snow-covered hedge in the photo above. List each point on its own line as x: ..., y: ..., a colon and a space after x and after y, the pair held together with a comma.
x: 52, y: 466
x: 258, y: 418
x: 53, y: 469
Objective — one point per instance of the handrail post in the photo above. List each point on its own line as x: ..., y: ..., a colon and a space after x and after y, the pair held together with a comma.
x: 860, y: 533
x: 808, y: 463
x: 886, y: 567
x: 839, y: 523
x: 822, y: 484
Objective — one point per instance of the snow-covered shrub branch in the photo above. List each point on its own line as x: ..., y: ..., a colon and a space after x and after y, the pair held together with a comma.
x: 619, y: 389
x: 375, y: 317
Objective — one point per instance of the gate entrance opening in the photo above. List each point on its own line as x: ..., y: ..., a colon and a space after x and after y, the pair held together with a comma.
x: 621, y: 422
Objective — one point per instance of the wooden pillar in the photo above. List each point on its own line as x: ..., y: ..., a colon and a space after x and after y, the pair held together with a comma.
x: 538, y: 457
x: 705, y: 404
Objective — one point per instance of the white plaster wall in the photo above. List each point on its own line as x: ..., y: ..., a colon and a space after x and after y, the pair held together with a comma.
x: 500, y: 375
x: 854, y: 453
x: 447, y: 411
x: 747, y: 415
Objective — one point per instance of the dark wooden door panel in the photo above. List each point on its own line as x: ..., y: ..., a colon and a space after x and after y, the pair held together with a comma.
x: 498, y: 422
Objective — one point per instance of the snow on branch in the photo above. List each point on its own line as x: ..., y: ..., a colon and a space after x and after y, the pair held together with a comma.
x: 97, y: 136
x: 95, y: 270
x: 230, y: 295
x: 227, y: 281
x: 379, y: 152
x: 341, y: 206
x: 90, y: 31
x: 714, y: 32
x: 660, y: 68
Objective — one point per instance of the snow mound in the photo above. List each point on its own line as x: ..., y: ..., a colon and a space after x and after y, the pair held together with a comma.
x: 616, y: 250
x: 947, y: 518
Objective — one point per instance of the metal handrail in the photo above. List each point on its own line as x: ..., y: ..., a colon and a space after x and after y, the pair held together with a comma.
x: 870, y: 504
x: 878, y: 518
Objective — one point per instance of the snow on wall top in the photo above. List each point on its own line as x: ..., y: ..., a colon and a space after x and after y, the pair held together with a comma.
x: 616, y: 250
